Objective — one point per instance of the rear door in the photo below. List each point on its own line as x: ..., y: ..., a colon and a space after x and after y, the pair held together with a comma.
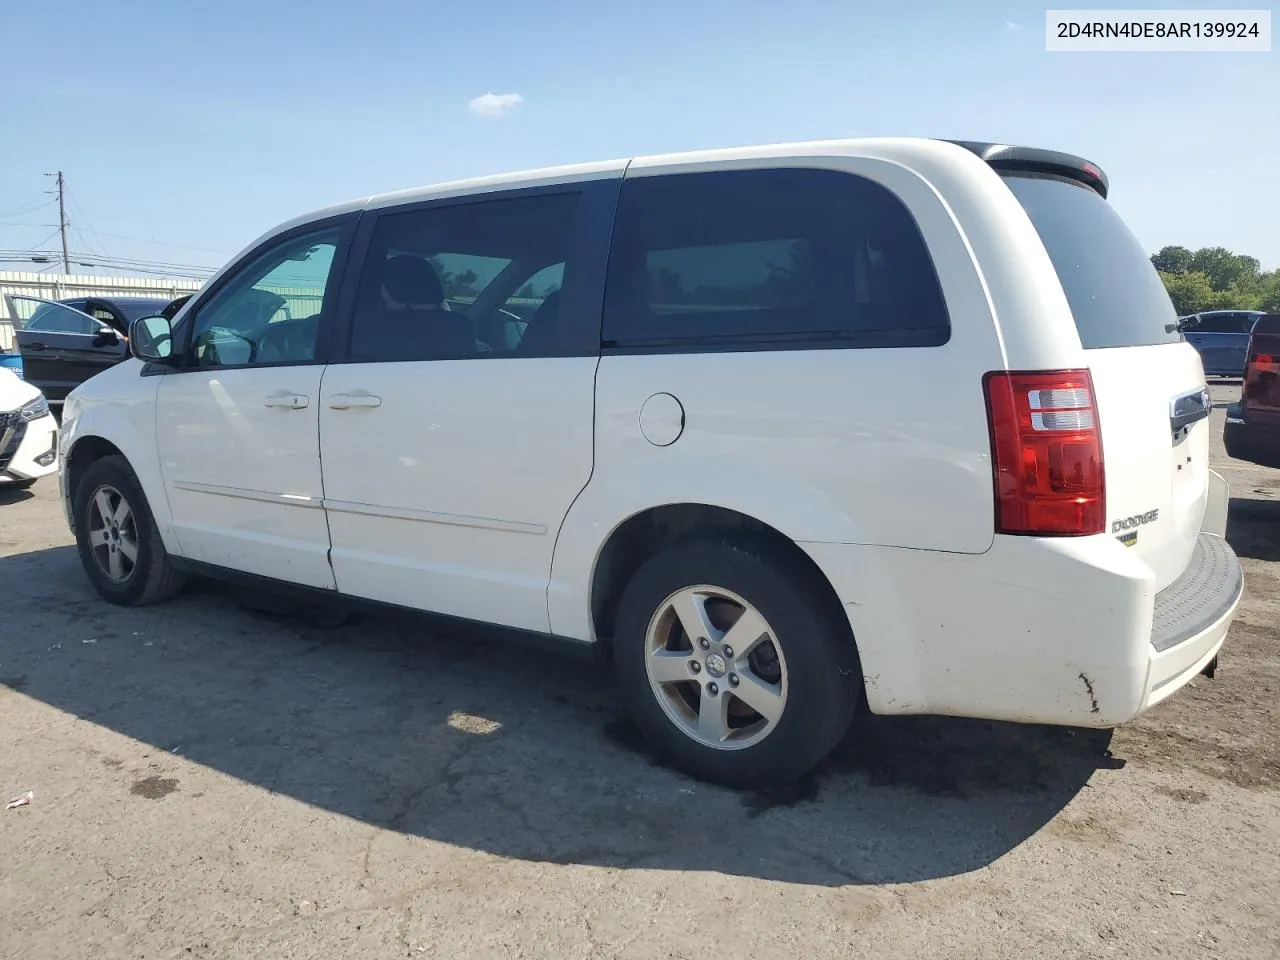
x: 61, y: 346
x: 1150, y: 383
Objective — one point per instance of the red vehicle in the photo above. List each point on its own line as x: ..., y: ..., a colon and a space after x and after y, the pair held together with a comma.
x: 1253, y: 425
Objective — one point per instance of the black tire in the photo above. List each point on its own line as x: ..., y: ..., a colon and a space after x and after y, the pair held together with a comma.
x: 152, y: 577
x: 824, y: 674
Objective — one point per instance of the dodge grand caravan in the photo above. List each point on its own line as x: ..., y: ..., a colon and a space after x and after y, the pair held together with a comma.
x: 792, y: 433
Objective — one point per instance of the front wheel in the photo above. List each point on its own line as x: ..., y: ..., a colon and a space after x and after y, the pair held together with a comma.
x: 738, y: 667
x: 119, y: 545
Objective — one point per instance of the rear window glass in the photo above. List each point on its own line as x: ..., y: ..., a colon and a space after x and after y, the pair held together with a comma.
x: 1114, y: 292
x: 137, y: 309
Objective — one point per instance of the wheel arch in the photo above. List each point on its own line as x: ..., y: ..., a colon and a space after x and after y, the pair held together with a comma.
x: 639, y: 535
x: 83, y: 454
x: 95, y: 434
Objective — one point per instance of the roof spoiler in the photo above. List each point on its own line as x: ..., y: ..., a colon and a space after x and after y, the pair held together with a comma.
x: 1003, y: 156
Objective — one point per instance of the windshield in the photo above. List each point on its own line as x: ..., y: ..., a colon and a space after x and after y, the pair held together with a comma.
x: 1114, y: 292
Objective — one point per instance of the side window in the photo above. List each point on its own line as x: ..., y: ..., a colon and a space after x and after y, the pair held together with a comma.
x: 1215, y: 323
x: 464, y: 280
x: 769, y: 258
x: 270, y: 312
x: 58, y: 318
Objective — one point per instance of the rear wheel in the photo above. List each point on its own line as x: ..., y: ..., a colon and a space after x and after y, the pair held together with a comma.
x: 119, y: 545
x: 737, y: 666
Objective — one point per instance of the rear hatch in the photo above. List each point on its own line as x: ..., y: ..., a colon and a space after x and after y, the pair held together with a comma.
x: 1149, y: 382
x: 1261, y: 391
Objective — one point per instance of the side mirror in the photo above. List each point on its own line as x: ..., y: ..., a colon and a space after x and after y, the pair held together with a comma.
x: 105, y: 336
x: 151, y: 339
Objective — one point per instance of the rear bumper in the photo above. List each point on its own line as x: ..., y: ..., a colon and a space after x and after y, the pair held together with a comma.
x: 1065, y: 631
x: 1249, y: 441
x: 1191, y: 617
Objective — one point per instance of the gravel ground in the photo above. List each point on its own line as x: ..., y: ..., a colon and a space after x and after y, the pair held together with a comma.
x: 211, y: 781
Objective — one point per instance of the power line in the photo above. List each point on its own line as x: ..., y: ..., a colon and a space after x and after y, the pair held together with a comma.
x: 93, y: 262
x: 35, y: 248
x: 159, y: 243
x: 85, y: 217
x: 113, y: 259
x: 25, y: 208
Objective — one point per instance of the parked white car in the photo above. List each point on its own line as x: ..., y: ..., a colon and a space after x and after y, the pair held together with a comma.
x: 894, y: 425
x: 28, y: 433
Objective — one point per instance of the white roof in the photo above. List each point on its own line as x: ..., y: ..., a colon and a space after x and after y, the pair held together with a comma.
x: 919, y: 153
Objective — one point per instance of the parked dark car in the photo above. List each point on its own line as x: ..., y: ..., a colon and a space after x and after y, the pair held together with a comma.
x: 1252, y: 431
x: 1221, y: 337
x: 63, y: 343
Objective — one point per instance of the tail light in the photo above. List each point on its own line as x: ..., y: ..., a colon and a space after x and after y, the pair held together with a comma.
x: 1258, y: 365
x: 1046, y: 452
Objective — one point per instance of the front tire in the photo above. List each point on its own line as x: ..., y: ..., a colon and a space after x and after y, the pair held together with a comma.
x: 738, y: 667
x: 117, y: 538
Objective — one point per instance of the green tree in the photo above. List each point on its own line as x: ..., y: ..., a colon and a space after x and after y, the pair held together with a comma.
x: 1224, y: 268
x: 1269, y: 292
x: 1215, y: 278
x: 1172, y: 260
x: 1190, y: 292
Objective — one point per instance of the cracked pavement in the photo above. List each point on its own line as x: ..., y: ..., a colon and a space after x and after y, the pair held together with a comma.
x: 214, y: 780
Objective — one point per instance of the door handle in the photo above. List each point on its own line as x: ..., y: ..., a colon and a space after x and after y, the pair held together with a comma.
x: 290, y: 401
x: 35, y: 346
x: 345, y: 401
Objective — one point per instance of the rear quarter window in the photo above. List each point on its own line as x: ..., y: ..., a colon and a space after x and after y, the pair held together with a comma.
x: 769, y: 259
x: 1115, y: 294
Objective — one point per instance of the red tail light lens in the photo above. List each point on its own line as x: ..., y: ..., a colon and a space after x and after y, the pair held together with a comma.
x: 1258, y: 365
x: 1046, y: 452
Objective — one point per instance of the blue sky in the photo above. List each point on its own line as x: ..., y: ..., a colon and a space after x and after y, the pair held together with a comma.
x: 196, y: 125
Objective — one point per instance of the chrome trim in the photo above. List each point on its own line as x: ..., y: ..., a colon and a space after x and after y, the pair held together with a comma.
x: 262, y: 496
x: 431, y: 516
x: 1188, y: 408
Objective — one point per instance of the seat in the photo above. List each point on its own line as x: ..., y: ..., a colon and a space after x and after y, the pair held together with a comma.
x: 542, y: 333
x: 417, y: 327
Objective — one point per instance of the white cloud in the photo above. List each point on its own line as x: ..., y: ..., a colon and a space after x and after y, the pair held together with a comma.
x: 494, y: 104
x: 1010, y: 25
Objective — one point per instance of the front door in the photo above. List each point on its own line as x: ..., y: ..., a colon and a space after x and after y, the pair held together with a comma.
x: 237, y: 423
x: 61, y: 346
x: 459, y: 430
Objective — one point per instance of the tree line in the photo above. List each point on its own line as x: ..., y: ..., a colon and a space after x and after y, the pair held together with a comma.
x: 1214, y: 278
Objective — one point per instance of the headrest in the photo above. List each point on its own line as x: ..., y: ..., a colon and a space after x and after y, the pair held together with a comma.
x: 412, y: 280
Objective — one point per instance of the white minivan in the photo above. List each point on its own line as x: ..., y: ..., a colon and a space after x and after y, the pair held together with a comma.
x: 792, y: 433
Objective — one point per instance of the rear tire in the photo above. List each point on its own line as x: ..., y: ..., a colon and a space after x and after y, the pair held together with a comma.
x: 761, y: 714
x: 117, y: 538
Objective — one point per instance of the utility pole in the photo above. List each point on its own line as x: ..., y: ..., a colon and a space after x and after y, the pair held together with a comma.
x: 62, y: 219
x: 62, y: 222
